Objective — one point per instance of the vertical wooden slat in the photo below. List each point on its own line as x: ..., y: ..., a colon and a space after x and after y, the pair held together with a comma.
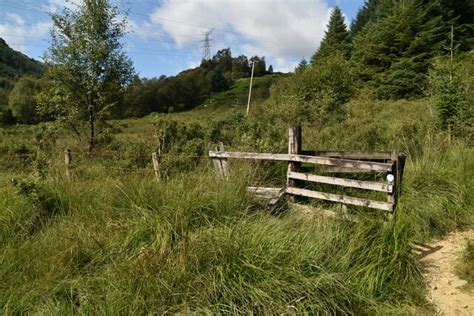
x: 67, y: 161
x: 156, y: 165
x: 294, y: 147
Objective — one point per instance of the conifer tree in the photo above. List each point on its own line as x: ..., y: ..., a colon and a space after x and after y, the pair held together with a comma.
x: 448, y: 89
x: 303, y: 64
x: 336, y: 38
x: 365, y: 15
x: 393, y: 53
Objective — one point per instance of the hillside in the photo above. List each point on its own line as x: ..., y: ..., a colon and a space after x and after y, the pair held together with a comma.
x: 13, y: 65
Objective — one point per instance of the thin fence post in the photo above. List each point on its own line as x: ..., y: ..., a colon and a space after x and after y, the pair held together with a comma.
x: 224, y: 163
x: 67, y: 162
x: 294, y: 148
x: 156, y: 165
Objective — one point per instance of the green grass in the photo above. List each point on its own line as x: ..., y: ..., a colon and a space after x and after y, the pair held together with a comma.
x: 112, y: 241
x: 466, y: 268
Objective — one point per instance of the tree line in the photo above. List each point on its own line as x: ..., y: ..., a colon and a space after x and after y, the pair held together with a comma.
x: 392, y: 50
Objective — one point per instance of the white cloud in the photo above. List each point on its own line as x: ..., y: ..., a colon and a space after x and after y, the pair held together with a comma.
x: 18, y: 35
x: 13, y: 17
x: 145, y: 30
x: 56, y: 5
x: 281, y: 30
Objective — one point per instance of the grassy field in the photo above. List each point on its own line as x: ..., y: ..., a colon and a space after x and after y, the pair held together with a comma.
x: 114, y: 241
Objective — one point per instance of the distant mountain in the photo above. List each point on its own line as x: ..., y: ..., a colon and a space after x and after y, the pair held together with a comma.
x: 14, y: 65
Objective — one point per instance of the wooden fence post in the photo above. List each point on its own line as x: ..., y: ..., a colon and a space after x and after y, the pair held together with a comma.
x: 67, y: 161
x: 224, y: 163
x: 156, y: 165
x: 221, y: 164
x: 392, y: 196
x: 294, y: 148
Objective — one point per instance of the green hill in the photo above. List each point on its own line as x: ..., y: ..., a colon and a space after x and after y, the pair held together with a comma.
x: 13, y: 65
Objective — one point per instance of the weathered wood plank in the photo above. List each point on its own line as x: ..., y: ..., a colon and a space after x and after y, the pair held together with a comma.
x: 264, y: 192
x: 344, y: 170
x: 355, y: 164
x: 277, y: 199
x: 367, y: 185
x: 378, y: 155
x: 341, y: 199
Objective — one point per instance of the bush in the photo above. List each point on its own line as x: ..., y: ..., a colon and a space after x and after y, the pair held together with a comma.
x: 6, y: 116
x: 312, y: 96
x: 23, y: 101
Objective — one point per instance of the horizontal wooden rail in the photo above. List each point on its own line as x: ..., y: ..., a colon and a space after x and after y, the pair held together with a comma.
x: 367, y: 185
x: 378, y: 155
x: 341, y: 199
x: 264, y: 192
x: 354, y: 164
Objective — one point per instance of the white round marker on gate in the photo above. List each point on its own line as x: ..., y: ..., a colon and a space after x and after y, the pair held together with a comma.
x: 390, y: 177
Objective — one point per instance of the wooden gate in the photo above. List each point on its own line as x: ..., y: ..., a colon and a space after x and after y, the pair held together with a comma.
x: 388, y: 163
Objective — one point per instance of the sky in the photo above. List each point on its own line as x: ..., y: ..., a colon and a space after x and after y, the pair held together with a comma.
x: 165, y: 36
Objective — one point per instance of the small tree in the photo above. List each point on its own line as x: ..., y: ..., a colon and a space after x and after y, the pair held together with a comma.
x: 448, y: 89
x: 270, y: 69
x: 88, y: 70
x: 23, y: 100
x: 303, y: 64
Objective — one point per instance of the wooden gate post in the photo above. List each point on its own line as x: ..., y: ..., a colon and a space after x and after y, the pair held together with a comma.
x: 67, y: 162
x: 294, y: 148
x: 393, y: 196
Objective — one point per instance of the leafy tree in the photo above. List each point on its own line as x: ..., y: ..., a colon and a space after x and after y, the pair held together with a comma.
x: 240, y: 67
x: 270, y: 69
x: 223, y: 60
x: 336, y: 38
x: 302, y: 66
x: 260, y: 66
x: 88, y: 69
x: 23, y: 100
x: 218, y: 81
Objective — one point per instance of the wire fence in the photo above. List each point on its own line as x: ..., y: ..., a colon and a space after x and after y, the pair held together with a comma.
x: 162, y: 165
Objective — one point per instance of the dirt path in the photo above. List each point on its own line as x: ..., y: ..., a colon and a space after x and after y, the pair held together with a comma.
x: 443, y: 283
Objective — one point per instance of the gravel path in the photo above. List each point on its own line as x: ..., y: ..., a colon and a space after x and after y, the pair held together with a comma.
x: 444, y: 286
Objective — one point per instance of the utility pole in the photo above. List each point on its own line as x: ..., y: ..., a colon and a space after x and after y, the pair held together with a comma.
x: 206, y: 46
x: 250, y: 89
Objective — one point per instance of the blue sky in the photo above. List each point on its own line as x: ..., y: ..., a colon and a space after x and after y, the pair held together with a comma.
x: 165, y: 35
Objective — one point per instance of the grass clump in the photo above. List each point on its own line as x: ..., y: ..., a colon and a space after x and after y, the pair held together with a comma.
x: 466, y: 269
